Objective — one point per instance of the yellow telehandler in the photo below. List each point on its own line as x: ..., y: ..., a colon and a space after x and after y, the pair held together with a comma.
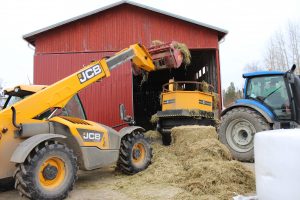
x: 45, y: 138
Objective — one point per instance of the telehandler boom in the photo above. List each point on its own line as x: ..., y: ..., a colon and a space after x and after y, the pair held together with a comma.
x: 42, y: 149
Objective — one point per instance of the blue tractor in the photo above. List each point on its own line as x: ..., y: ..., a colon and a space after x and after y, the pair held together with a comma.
x: 271, y: 101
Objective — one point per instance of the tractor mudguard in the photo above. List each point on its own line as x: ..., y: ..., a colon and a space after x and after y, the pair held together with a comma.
x: 260, y: 108
x: 127, y: 130
x: 25, y: 147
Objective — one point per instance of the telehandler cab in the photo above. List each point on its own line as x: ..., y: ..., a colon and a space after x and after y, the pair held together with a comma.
x: 43, y: 141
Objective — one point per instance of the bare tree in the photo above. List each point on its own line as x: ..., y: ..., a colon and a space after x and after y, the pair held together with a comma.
x: 294, y: 37
x: 283, y: 49
x: 270, y: 57
x: 253, y: 67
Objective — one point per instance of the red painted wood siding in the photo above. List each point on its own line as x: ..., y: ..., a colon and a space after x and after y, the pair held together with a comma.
x: 121, y: 26
x: 101, y: 100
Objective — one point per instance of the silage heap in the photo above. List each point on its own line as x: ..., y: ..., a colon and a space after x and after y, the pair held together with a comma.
x: 196, y: 163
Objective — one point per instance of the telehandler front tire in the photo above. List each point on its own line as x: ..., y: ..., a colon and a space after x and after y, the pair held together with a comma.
x: 135, y: 153
x: 49, y: 172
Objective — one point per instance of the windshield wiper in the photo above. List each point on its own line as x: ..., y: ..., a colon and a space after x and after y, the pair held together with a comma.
x: 263, y: 99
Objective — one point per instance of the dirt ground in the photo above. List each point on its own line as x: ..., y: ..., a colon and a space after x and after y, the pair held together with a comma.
x: 166, y: 179
x: 99, y: 184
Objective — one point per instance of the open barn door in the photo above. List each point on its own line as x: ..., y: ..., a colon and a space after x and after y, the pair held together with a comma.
x: 146, y: 94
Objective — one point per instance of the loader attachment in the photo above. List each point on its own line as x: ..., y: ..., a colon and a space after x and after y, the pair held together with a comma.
x: 164, y: 56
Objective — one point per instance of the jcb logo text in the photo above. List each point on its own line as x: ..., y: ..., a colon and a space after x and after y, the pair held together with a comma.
x: 89, y: 73
x: 92, y: 136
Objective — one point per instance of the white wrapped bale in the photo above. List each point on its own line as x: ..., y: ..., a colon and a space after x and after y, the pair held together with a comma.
x: 277, y: 164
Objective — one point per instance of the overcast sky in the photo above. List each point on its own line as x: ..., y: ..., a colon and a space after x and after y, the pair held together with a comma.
x: 250, y: 24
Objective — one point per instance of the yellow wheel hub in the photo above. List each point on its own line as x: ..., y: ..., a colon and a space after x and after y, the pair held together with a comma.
x: 52, y: 173
x: 138, y: 153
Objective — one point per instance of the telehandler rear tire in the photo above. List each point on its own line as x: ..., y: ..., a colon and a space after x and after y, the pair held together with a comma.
x: 135, y: 153
x: 49, y: 172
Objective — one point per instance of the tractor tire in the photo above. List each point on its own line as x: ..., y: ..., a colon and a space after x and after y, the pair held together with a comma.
x: 135, y: 153
x: 49, y: 172
x: 237, y: 129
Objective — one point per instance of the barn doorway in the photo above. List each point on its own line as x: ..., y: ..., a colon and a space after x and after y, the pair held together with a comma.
x: 146, y: 95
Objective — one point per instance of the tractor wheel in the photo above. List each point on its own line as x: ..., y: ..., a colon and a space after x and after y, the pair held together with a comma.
x: 49, y: 172
x: 237, y: 130
x: 135, y: 153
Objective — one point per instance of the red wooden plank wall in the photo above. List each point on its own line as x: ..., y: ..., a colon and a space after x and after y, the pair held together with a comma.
x: 101, y: 100
x: 121, y: 26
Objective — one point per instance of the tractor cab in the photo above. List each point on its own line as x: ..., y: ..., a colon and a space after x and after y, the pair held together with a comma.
x: 271, y: 90
x: 276, y: 92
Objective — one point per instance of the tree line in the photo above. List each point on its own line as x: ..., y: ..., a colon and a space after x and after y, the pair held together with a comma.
x: 231, y: 94
x: 282, y: 51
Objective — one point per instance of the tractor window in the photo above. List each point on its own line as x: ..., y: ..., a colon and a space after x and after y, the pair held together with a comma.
x: 271, y: 91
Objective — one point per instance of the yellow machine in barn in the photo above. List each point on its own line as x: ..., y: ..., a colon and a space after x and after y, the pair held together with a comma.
x: 176, y: 97
x: 45, y: 138
x: 184, y: 103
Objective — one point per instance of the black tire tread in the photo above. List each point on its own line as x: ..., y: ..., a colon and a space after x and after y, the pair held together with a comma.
x: 124, y: 162
x: 23, y: 182
x: 264, y: 125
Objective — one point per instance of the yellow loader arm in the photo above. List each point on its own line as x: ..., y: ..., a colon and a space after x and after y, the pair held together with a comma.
x: 59, y: 93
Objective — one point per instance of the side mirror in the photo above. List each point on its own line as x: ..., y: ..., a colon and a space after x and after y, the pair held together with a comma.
x: 293, y: 68
x: 290, y: 74
x: 122, y: 111
x: 126, y: 118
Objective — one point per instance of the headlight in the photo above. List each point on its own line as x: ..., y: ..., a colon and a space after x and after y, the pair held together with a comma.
x: 17, y: 89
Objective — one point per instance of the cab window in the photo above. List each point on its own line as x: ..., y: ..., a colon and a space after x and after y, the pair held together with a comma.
x: 73, y: 109
x: 11, y: 100
x: 271, y: 91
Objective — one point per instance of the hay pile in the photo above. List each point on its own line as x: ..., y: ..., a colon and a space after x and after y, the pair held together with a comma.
x: 206, y: 87
x: 156, y: 43
x: 196, y: 163
x: 181, y: 47
x: 185, y: 52
x: 216, y: 100
x: 154, y: 119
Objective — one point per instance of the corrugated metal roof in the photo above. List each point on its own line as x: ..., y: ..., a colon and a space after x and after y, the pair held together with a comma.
x: 30, y: 37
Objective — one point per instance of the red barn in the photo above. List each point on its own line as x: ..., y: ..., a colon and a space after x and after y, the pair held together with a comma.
x: 65, y: 47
